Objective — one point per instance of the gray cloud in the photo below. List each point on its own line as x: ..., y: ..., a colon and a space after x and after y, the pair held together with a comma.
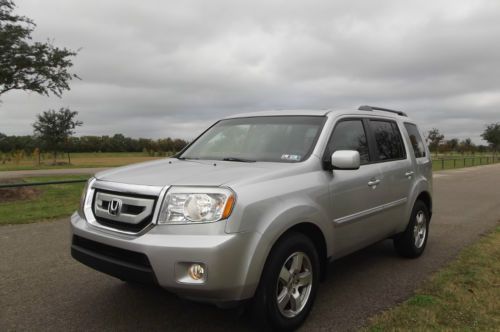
x: 159, y: 68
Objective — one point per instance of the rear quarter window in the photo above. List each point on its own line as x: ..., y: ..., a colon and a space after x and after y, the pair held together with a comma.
x: 416, y: 140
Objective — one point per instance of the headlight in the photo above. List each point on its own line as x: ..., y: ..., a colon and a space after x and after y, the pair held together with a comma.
x: 183, y: 205
x: 83, y: 198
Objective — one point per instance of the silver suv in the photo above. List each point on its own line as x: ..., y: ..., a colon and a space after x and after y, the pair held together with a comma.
x: 258, y: 205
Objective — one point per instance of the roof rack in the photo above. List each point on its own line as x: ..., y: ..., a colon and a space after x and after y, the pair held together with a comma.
x: 374, y: 108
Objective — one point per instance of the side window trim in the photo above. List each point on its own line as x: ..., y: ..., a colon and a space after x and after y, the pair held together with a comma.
x: 401, y: 139
x: 373, y: 145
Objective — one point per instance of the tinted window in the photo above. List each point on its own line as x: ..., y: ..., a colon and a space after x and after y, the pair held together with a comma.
x: 416, y: 140
x: 349, y: 135
x: 389, y: 144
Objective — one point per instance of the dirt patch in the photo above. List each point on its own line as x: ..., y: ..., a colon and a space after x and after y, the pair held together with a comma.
x: 19, y: 193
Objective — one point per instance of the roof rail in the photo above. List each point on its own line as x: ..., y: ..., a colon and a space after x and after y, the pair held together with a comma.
x: 374, y: 108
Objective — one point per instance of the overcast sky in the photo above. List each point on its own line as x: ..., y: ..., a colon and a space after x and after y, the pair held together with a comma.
x: 170, y: 68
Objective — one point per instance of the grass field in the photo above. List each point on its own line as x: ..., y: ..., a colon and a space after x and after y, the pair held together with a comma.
x: 42, y: 202
x: 464, y: 296
x: 78, y: 160
x: 459, y: 161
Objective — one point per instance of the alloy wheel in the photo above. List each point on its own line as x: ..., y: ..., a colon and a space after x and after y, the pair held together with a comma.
x: 420, y: 229
x: 294, y: 284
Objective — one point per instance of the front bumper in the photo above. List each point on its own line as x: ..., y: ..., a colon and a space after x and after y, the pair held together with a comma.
x: 162, y: 255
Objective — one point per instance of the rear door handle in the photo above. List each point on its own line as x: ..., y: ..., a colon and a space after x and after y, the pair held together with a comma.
x: 409, y: 173
x: 373, y: 183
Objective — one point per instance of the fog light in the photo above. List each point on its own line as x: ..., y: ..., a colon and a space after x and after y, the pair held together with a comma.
x: 196, y: 271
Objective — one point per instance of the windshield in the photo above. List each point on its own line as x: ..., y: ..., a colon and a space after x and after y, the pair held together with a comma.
x: 270, y: 138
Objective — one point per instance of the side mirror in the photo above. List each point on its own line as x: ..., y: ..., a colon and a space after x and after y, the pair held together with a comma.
x: 345, y: 159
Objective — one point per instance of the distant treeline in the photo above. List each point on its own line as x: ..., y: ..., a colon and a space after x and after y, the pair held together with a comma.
x: 115, y: 143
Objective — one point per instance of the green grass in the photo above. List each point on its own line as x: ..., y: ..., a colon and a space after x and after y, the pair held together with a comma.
x: 464, y: 296
x: 53, y: 201
x: 78, y: 160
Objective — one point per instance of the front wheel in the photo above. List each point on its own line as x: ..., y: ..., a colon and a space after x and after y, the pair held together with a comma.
x: 411, y: 243
x: 288, y: 285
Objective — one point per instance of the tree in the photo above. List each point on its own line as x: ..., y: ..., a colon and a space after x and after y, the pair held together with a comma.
x: 467, y: 146
x: 482, y: 148
x: 55, y: 128
x: 492, y: 135
x: 435, y: 138
x: 452, y: 144
x: 26, y: 65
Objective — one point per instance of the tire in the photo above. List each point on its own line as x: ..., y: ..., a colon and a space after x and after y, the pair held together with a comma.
x: 411, y: 243
x: 296, y: 288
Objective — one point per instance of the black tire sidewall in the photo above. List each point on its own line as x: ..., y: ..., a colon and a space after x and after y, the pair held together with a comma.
x: 265, y: 301
x: 405, y: 243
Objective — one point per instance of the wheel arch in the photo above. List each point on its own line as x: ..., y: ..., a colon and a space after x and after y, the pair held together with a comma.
x: 268, y: 242
x: 421, y: 190
x: 315, y: 234
x: 425, y: 197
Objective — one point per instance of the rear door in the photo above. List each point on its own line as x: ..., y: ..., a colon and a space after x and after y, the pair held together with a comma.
x: 397, y: 172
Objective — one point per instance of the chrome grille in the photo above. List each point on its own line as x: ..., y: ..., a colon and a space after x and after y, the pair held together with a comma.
x: 133, y: 196
x: 124, y: 212
x: 130, y: 210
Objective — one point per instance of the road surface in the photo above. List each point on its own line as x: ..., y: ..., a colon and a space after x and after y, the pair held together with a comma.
x: 42, y: 288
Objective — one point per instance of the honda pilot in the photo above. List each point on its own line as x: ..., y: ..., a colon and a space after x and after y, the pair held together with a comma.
x: 256, y: 207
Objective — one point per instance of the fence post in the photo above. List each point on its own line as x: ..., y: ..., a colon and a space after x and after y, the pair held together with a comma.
x: 442, y: 163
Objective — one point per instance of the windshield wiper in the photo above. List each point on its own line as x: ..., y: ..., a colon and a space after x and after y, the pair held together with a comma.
x: 242, y: 160
x: 184, y: 158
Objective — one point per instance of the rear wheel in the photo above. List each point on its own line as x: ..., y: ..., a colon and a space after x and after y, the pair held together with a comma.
x: 288, y: 285
x: 411, y: 243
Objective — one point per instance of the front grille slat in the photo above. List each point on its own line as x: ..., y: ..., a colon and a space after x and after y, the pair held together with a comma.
x: 132, y: 209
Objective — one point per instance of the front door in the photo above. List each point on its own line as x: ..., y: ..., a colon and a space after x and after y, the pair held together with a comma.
x: 354, y: 194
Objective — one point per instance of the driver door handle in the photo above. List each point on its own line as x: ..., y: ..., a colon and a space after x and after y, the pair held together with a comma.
x: 409, y: 173
x: 373, y: 183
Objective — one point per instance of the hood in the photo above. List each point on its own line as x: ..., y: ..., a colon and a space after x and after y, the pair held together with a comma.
x: 172, y: 171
